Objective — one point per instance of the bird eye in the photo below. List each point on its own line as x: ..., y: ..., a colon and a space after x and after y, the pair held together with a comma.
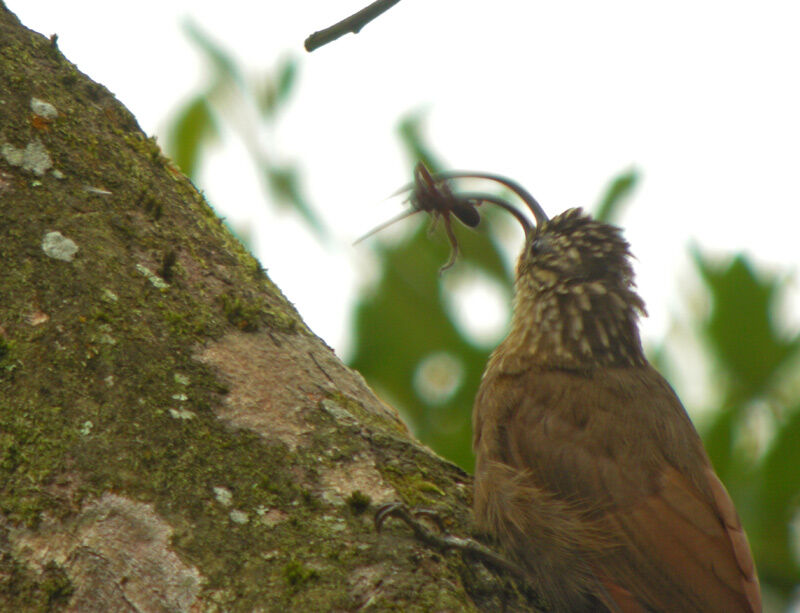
x: 541, y: 244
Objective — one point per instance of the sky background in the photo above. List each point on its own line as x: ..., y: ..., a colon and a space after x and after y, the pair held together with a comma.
x: 701, y: 97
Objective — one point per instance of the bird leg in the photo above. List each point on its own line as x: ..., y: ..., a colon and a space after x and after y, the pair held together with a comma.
x: 443, y: 542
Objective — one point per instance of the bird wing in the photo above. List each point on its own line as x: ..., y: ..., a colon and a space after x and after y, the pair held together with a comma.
x: 701, y: 560
x: 622, y: 440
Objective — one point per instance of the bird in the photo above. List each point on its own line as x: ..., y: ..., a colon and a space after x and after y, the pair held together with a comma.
x: 589, y: 474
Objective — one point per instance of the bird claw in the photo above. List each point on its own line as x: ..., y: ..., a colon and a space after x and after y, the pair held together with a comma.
x: 410, y: 516
x: 443, y: 542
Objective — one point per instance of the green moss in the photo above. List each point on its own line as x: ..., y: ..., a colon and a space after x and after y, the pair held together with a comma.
x: 296, y: 573
x: 22, y: 589
x: 7, y: 362
x: 415, y: 491
x: 280, y: 319
x: 423, y: 486
x: 361, y: 415
x: 56, y: 585
x: 358, y: 502
x: 243, y: 315
x: 5, y: 349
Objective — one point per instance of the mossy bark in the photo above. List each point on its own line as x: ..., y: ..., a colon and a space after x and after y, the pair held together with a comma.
x: 172, y: 436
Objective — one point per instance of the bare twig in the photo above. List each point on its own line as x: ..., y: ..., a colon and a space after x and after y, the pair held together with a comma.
x: 353, y: 24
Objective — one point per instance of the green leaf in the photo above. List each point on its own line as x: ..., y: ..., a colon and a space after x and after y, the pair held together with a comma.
x: 284, y: 183
x: 287, y: 72
x: 742, y: 339
x: 777, y: 502
x: 190, y: 133
x: 276, y: 89
x: 223, y: 65
x: 410, y: 130
x: 718, y: 438
x: 617, y: 193
x: 739, y: 330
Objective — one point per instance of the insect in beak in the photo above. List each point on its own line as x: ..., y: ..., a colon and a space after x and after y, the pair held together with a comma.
x: 432, y: 194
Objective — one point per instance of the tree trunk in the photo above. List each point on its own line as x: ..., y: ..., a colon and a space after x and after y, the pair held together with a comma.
x: 172, y: 436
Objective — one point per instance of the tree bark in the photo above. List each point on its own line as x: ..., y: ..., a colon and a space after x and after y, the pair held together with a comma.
x: 172, y: 436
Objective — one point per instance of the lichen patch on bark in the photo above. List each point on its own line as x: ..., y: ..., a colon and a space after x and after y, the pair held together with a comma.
x: 117, y: 554
x: 358, y: 475
x: 268, y: 376
x: 262, y: 391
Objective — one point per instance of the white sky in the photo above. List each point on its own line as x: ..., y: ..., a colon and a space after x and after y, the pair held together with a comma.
x: 702, y: 97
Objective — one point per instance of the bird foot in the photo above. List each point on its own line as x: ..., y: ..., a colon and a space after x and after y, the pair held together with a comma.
x: 443, y: 542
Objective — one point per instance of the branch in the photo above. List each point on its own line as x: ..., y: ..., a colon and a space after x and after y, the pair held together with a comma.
x: 353, y: 24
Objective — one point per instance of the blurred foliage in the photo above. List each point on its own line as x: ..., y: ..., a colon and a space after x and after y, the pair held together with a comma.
x: 409, y: 346
x: 754, y: 436
x: 410, y: 131
x: 229, y: 101
x: 616, y: 195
